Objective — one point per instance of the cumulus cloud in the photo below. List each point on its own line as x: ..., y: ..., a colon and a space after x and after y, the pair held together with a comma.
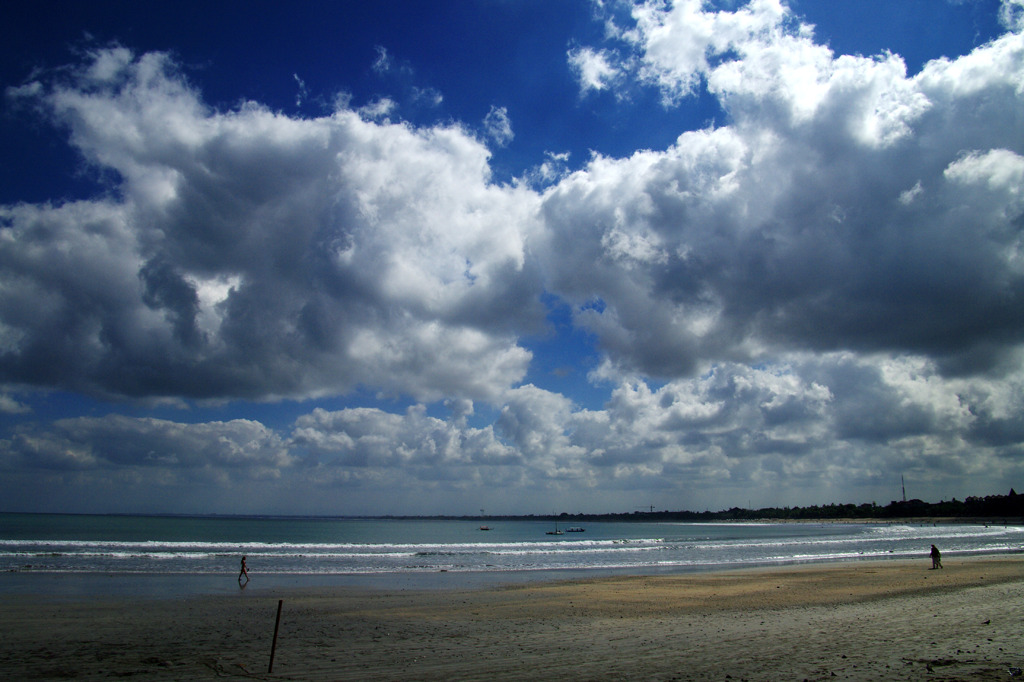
x: 834, y: 420
x: 824, y: 290
x: 808, y: 423
x: 845, y: 205
x: 247, y: 254
x: 369, y: 438
x: 244, y: 448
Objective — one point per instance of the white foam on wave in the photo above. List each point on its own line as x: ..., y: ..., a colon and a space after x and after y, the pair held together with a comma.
x: 688, y: 545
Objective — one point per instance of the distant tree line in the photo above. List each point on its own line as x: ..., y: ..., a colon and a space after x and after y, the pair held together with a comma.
x: 984, y: 508
x: 992, y: 506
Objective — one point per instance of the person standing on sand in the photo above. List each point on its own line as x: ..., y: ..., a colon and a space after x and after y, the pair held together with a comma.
x: 245, y: 572
x: 936, y: 557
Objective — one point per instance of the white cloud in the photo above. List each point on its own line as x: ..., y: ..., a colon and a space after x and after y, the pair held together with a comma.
x: 1011, y: 14
x: 256, y: 255
x: 372, y: 438
x: 909, y: 196
x: 378, y: 110
x: 792, y: 227
x: 302, y: 92
x: 241, y: 448
x: 809, y: 423
x: 552, y: 169
x: 679, y: 42
x: 593, y: 68
x: 820, y: 293
x: 498, y: 126
x: 429, y: 96
x: 9, y: 405
x: 760, y: 59
x: 1000, y: 170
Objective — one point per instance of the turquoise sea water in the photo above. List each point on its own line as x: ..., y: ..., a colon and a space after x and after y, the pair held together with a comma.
x: 392, y: 549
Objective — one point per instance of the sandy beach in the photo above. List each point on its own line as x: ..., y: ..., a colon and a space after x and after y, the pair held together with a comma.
x: 859, y: 621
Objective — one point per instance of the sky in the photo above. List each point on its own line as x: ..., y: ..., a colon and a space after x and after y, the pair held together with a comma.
x: 520, y: 256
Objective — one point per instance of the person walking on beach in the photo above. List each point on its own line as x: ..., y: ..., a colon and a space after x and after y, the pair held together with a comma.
x: 245, y: 572
x: 936, y: 557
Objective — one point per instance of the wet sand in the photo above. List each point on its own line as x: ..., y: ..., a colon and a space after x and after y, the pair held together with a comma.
x: 859, y: 621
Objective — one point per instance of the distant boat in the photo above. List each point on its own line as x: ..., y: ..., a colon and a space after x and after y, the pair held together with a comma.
x: 575, y: 529
x: 485, y: 527
x: 555, y: 531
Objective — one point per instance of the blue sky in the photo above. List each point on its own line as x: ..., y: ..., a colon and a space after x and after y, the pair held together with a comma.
x: 420, y: 257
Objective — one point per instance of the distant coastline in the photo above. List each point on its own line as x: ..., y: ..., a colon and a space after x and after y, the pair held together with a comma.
x: 990, y: 509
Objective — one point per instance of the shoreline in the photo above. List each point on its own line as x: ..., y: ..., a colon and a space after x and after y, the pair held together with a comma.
x: 911, y: 520
x: 70, y: 586
x: 879, y: 620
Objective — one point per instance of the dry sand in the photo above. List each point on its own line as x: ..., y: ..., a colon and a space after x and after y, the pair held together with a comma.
x: 861, y: 621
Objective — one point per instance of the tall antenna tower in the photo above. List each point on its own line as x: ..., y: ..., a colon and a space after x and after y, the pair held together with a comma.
x: 904, y: 486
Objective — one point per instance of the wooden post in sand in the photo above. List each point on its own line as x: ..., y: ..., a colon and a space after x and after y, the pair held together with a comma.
x: 273, y: 647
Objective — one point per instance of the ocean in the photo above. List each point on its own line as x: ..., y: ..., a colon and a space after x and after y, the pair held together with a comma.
x: 432, y: 552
